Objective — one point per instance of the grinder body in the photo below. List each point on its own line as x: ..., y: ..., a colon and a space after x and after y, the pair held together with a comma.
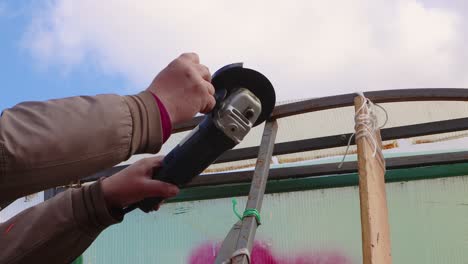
x: 190, y: 158
x: 244, y: 99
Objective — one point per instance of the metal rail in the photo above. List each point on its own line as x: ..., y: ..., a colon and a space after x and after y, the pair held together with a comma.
x: 324, y: 143
x: 342, y: 140
x: 336, y: 101
x: 329, y: 169
x: 310, y: 171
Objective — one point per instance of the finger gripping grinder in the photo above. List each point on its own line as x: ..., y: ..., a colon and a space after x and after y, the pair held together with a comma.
x: 244, y: 98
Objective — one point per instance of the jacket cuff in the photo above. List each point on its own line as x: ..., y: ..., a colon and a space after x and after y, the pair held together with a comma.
x: 90, y: 209
x: 147, y: 135
x: 166, y: 122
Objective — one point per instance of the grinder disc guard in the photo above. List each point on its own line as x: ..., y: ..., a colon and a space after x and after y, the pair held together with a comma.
x: 233, y: 76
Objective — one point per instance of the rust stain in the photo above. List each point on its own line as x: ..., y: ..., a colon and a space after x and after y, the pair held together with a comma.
x: 434, y: 140
x: 423, y: 141
x: 390, y: 145
x: 229, y: 168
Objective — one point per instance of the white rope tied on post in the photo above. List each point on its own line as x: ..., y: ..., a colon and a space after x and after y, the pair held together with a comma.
x: 366, y: 126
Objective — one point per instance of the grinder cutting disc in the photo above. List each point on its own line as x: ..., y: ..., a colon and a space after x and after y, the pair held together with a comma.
x: 233, y: 76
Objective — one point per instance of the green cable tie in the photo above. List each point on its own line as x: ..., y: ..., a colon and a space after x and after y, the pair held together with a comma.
x: 234, y: 203
x: 253, y: 212
x: 247, y: 213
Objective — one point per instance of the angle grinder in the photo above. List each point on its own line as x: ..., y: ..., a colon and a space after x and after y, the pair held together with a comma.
x: 244, y: 98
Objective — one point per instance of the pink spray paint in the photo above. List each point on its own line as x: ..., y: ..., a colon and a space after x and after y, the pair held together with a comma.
x: 261, y: 254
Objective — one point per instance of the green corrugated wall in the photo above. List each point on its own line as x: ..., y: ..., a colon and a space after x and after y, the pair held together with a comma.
x: 428, y: 222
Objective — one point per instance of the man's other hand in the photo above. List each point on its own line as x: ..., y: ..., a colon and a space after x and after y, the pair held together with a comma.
x: 134, y: 183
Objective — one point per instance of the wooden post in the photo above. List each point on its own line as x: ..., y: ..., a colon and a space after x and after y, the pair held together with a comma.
x: 373, y: 201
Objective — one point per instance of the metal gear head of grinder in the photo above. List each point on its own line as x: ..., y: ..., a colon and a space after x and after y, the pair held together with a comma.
x: 244, y: 98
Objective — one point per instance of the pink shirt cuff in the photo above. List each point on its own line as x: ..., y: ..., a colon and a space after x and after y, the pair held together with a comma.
x: 165, y: 119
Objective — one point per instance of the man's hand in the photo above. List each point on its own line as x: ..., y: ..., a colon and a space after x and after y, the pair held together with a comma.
x: 185, y: 88
x: 134, y: 183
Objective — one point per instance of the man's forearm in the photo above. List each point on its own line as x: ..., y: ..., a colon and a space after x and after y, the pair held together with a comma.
x: 44, y: 144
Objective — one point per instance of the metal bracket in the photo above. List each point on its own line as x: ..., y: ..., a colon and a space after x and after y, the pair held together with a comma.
x: 238, y: 114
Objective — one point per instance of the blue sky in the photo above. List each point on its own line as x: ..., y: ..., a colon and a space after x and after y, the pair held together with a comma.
x: 24, y: 79
x: 309, y: 48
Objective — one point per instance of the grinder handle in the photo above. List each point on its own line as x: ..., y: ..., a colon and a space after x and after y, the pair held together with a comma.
x: 189, y: 158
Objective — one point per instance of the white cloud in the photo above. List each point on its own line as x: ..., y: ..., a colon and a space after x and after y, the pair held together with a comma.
x: 307, y: 48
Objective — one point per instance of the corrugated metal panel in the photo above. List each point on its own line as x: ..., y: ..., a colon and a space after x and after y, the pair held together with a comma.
x: 339, y: 121
x: 428, y: 220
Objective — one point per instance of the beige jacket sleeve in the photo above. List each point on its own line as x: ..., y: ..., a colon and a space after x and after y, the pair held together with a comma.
x: 57, y: 230
x: 46, y: 144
